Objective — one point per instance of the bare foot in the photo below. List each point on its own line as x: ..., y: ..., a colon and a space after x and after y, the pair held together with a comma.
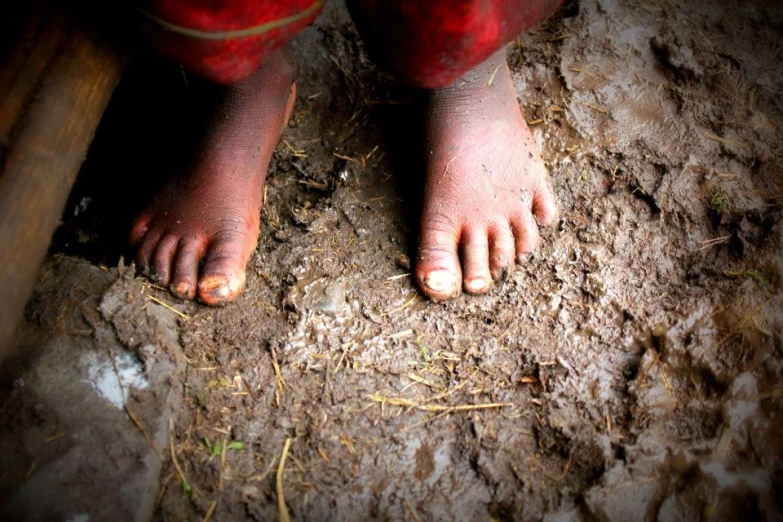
x: 486, y: 188
x: 198, y: 234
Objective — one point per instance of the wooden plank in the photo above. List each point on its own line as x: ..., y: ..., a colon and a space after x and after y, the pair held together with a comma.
x: 27, y: 58
x: 57, y: 99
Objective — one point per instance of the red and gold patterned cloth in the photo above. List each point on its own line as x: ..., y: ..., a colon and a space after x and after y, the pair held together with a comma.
x: 426, y: 43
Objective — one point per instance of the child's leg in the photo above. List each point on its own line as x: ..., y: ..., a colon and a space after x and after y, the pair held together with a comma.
x: 486, y: 187
x: 199, y: 232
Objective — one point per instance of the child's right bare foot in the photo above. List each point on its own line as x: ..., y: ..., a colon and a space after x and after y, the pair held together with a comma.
x: 198, y: 234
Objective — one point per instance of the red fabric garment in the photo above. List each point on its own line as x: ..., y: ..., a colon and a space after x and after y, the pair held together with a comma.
x: 431, y: 43
x: 225, y: 40
x: 425, y: 43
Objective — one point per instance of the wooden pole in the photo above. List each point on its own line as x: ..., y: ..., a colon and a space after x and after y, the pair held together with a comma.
x: 55, y: 86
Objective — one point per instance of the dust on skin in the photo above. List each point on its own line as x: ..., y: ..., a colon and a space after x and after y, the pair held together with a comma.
x: 199, y: 231
x: 486, y: 188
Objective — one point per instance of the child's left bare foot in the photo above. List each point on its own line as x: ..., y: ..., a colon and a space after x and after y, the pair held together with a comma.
x: 486, y: 188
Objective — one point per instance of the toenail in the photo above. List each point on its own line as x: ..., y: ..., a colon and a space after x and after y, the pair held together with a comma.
x: 219, y: 290
x: 181, y: 289
x: 441, y: 281
x: 476, y: 285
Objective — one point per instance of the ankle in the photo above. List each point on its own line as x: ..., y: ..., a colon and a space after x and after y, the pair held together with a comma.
x: 486, y: 79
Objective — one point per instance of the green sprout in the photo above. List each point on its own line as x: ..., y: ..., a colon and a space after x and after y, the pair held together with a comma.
x: 719, y: 201
x: 755, y: 274
x: 425, y: 354
x: 217, y: 448
x: 187, y: 491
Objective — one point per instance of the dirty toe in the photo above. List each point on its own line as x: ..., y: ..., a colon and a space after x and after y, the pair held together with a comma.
x: 162, y: 258
x: 218, y: 289
x: 184, y: 277
x: 501, y: 251
x: 475, y: 261
x: 545, y: 205
x: 438, y: 269
x: 223, y: 273
x: 526, y: 235
x: 146, y: 250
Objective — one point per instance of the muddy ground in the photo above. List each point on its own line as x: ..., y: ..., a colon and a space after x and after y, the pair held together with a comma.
x: 630, y: 370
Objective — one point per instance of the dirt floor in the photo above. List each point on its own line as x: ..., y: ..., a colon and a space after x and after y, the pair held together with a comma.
x: 631, y: 370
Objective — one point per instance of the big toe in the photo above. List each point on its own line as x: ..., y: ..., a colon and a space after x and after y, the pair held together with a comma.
x: 223, y: 274
x: 438, y: 269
